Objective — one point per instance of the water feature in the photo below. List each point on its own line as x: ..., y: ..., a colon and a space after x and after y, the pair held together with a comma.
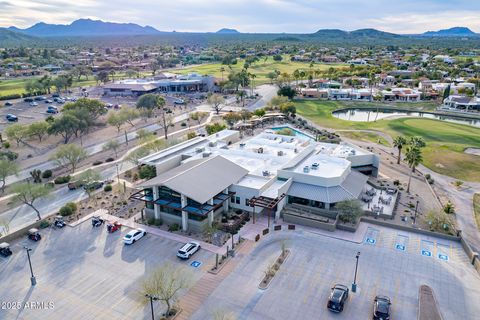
x: 367, y: 115
x: 298, y: 134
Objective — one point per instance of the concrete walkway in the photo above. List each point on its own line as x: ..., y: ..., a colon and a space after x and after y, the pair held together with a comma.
x: 204, y: 287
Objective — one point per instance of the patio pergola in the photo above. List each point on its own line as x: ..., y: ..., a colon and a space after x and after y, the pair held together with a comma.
x: 265, y: 202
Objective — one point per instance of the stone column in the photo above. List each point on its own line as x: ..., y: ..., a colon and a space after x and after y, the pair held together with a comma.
x: 184, y: 213
x: 156, y: 207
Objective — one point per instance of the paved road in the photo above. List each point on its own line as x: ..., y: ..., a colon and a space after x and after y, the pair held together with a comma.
x: 267, y: 92
x: 91, y: 149
x: 301, y: 288
x: 88, y: 274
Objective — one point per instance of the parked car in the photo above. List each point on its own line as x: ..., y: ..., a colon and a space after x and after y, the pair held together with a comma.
x: 109, y: 105
x: 60, y: 101
x: 11, y: 117
x: 33, y: 104
x: 5, y: 249
x: 188, y: 250
x: 8, y: 104
x: 34, y: 235
x: 133, y: 236
x: 117, y: 106
x: 48, y: 101
x: 93, y: 185
x: 28, y: 100
x: 40, y: 98
x: 338, y: 297
x: 179, y: 101
x: 55, y: 95
x: 74, y: 185
x: 52, y: 109
x: 381, y: 308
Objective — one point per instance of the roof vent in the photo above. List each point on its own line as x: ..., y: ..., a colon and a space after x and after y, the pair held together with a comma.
x: 306, y: 169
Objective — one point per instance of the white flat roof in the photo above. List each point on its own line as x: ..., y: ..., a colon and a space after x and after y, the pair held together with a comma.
x: 253, y: 181
x: 320, y: 165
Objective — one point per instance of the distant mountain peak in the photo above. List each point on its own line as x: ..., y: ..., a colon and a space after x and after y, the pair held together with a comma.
x: 451, y: 32
x: 227, y: 30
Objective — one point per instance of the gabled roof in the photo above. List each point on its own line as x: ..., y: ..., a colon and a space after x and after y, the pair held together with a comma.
x: 201, y: 179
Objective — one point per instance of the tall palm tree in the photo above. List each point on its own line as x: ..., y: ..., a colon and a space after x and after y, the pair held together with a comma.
x: 398, y: 143
x: 252, y: 76
x: 413, y: 155
x: 222, y: 70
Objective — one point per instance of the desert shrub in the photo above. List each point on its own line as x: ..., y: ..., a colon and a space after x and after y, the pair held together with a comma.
x: 6, y: 144
x: 96, y: 163
x: 147, y: 172
x: 107, y: 188
x: 44, y: 224
x: 174, y: 227
x: 62, y: 179
x: 68, y: 209
x: 47, y: 174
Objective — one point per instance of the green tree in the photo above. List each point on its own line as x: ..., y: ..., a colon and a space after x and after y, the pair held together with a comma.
x: 413, y: 156
x: 69, y: 155
x: 28, y: 193
x: 216, y: 101
x: 287, y: 91
x: 198, y: 116
x: 93, y: 107
x: 153, y: 101
x: 112, y: 145
x: 7, y: 168
x: 164, y: 283
x: 214, y: 128
x: 17, y: 132
x: 399, y: 142
x: 349, y: 210
x: 116, y: 120
x: 66, y: 126
x: 38, y: 130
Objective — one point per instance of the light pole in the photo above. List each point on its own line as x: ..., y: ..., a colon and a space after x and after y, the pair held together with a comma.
x: 354, y: 284
x: 33, y: 280
x: 118, y: 175
x: 415, y: 217
x: 151, y: 303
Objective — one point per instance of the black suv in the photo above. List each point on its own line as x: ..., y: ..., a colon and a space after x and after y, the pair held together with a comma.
x: 338, y: 297
x: 381, y: 308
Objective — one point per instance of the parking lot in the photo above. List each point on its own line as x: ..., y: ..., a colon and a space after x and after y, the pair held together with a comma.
x: 85, y: 273
x: 391, y: 263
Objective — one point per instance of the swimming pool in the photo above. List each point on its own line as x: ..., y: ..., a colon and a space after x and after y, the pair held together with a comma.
x: 298, y: 133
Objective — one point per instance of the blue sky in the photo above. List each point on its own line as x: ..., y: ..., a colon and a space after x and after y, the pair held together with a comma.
x: 301, y: 16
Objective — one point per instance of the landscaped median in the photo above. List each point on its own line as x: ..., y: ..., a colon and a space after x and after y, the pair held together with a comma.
x: 476, y: 208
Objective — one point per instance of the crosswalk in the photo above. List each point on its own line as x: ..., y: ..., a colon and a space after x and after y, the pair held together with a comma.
x: 409, y: 243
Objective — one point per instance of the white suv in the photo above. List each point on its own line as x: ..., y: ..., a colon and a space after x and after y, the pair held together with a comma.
x: 133, y: 236
x: 188, y: 250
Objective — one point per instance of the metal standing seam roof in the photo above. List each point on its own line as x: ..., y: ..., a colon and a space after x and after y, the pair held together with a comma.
x: 202, y: 179
x: 349, y: 189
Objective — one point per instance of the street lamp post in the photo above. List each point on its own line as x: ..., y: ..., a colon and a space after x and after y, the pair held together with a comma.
x: 415, y: 217
x: 33, y: 280
x: 151, y: 303
x: 118, y: 175
x: 354, y: 284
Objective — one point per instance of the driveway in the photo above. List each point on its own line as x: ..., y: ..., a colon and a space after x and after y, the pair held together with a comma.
x: 85, y: 273
x: 301, y: 288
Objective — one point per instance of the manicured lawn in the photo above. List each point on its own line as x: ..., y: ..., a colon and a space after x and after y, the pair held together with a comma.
x: 445, y: 141
x: 476, y: 208
x: 366, y: 137
x: 421, y: 106
x: 260, y: 68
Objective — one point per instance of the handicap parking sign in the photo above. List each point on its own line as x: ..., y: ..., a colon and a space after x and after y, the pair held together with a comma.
x: 442, y: 257
x: 400, y: 247
x: 426, y: 253
x: 195, y: 264
x: 371, y: 241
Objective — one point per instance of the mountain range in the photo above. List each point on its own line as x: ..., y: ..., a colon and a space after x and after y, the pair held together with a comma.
x: 92, y: 28
x: 85, y: 27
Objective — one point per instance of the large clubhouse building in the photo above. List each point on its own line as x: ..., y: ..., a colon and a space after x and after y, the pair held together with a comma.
x: 201, y: 178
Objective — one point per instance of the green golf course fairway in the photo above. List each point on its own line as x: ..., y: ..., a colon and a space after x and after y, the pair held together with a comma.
x: 446, y: 141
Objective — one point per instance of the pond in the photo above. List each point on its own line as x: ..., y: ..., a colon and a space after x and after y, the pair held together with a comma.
x: 367, y: 115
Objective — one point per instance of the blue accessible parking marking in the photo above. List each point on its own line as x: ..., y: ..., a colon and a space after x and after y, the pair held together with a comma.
x: 371, y: 236
x: 195, y: 264
x: 443, y: 257
x: 426, y: 253
x: 370, y: 241
x: 401, y: 242
x: 400, y: 247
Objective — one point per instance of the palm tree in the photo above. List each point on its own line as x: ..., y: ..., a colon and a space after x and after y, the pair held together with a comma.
x: 252, y: 76
x: 417, y: 141
x: 398, y: 143
x: 222, y: 70
x: 413, y: 155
